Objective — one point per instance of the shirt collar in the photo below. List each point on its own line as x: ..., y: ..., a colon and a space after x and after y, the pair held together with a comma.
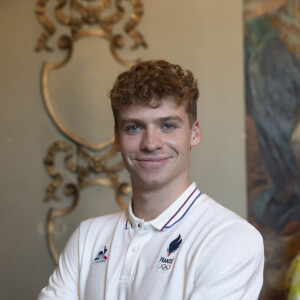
x: 170, y: 216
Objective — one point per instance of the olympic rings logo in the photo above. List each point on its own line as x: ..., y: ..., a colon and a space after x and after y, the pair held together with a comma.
x: 163, y: 267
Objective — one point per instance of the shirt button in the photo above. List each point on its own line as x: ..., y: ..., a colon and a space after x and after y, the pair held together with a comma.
x: 135, y: 249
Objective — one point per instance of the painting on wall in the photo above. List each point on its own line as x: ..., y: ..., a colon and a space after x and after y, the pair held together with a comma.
x: 272, y: 95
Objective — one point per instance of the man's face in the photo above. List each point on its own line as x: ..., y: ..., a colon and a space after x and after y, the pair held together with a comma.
x: 155, y: 144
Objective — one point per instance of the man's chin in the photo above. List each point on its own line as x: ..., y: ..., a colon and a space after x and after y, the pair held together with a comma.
x: 150, y: 183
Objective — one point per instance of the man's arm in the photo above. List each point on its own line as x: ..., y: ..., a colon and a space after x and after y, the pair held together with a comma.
x: 63, y: 284
x: 233, y: 267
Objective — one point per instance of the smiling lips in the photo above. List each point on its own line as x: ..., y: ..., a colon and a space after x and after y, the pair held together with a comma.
x: 152, y: 162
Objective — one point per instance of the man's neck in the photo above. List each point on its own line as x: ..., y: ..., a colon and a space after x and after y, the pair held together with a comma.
x: 150, y: 203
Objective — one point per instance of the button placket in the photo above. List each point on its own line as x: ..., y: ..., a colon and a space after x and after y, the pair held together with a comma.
x: 135, y: 249
x: 133, y: 253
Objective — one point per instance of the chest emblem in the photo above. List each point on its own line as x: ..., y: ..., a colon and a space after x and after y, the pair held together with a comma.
x: 165, y: 263
x: 101, y: 258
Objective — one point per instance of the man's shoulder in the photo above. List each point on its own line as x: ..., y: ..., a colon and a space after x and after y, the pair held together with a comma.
x: 105, y: 221
x: 227, y: 251
x: 232, y: 239
x: 218, y: 219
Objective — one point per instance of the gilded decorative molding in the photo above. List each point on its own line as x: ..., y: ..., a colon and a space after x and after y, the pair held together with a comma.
x: 91, y: 162
x: 92, y: 12
x: 90, y: 165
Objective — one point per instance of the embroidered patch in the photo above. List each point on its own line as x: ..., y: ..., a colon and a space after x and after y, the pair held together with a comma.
x: 165, y: 263
x: 174, y: 245
x: 101, y: 258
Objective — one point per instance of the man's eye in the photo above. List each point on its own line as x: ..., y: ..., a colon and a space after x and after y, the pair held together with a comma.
x: 133, y: 128
x: 168, y: 126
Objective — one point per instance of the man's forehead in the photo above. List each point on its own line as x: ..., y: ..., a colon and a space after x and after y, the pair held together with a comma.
x: 165, y: 109
x: 166, y: 102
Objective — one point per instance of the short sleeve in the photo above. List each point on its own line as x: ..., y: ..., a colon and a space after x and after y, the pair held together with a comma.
x: 231, y: 266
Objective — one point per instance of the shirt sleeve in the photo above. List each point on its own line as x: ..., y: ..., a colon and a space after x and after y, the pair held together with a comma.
x: 232, y: 265
x: 63, y: 283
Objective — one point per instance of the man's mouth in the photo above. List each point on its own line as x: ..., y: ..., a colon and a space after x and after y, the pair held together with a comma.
x: 152, y: 162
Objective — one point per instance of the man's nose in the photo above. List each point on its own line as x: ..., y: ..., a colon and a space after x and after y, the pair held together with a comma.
x: 151, y: 140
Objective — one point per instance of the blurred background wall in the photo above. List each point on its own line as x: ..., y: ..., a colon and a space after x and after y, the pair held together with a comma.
x: 205, y: 36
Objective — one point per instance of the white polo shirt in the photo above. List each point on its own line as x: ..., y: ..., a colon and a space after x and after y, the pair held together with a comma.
x: 195, y: 249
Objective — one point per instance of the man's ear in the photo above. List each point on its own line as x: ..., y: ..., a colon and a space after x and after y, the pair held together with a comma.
x: 196, y: 134
x: 117, y: 140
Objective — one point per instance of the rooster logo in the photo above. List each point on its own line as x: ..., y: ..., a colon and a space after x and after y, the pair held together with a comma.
x: 174, y: 245
x: 101, y: 258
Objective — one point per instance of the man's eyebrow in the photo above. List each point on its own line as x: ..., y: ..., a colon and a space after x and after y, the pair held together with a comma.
x: 176, y: 119
x: 131, y: 121
x: 170, y: 119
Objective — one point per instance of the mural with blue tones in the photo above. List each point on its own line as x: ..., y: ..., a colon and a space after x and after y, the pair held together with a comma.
x: 272, y: 93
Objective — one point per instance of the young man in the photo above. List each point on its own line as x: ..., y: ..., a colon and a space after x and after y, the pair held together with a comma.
x: 174, y: 242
